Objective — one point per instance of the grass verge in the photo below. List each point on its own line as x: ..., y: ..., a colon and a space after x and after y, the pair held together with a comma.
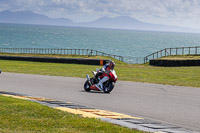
x: 22, y: 116
x: 59, y: 56
x: 181, y: 76
x: 182, y: 57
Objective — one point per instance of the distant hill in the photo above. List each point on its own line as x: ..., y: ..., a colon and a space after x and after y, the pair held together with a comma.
x: 121, y: 22
x: 126, y: 22
x: 31, y: 18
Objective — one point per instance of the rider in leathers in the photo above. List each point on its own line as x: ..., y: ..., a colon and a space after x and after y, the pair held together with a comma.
x: 109, y: 71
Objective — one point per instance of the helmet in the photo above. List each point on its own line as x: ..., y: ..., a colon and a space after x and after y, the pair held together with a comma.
x: 111, y: 65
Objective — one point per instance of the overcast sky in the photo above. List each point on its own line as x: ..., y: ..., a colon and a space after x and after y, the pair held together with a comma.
x: 184, y: 13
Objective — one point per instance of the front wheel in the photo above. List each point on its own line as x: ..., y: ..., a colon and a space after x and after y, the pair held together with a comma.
x: 108, y: 87
x: 87, y: 86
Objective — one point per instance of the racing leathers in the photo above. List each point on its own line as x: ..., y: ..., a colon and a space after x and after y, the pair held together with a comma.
x: 107, y: 72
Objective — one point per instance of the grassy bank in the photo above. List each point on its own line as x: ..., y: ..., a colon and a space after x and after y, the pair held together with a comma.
x: 21, y: 116
x: 182, y: 57
x: 58, y: 56
x: 182, y: 76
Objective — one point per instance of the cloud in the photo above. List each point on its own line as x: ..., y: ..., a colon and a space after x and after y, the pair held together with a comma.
x: 157, y: 11
x: 107, y: 7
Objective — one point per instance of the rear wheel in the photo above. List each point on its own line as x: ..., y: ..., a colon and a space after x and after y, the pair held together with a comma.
x: 87, y: 86
x: 108, y: 86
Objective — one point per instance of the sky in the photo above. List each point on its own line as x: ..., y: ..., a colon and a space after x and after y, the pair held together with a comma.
x: 184, y: 13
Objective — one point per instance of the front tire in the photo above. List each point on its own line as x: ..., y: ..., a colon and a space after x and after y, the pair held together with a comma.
x: 87, y: 86
x: 108, y: 87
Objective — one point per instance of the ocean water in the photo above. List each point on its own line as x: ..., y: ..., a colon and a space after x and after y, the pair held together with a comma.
x: 118, y: 42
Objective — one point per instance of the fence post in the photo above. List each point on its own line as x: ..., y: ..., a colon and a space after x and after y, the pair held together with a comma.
x: 183, y: 51
x: 146, y: 59
x: 91, y: 52
x: 195, y: 50
x: 122, y: 58
x: 189, y: 50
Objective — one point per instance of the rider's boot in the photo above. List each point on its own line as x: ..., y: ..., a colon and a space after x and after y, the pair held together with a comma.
x: 94, y: 73
x: 100, y: 84
x: 88, y: 79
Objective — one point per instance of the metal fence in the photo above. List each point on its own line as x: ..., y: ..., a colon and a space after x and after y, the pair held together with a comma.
x: 173, y: 51
x: 88, y: 52
x: 91, y: 52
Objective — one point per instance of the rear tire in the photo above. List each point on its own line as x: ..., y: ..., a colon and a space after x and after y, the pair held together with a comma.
x: 108, y: 87
x: 87, y: 86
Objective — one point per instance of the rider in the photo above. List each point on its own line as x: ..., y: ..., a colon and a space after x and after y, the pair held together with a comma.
x: 108, y: 70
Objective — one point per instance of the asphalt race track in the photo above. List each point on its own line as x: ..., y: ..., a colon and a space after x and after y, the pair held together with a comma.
x: 172, y: 104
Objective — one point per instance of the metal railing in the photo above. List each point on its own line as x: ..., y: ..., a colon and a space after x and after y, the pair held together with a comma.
x: 88, y: 52
x: 91, y: 52
x: 173, y: 51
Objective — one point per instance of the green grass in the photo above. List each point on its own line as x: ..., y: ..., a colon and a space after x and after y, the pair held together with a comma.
x: 181, y: 57
x: 58, y: 56
x: 181, y: 76
x: 21, y: 116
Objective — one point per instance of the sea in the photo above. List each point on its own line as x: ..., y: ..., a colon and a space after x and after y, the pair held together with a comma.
x: 130, y: 43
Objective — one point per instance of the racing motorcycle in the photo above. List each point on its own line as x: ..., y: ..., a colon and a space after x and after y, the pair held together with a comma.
x: 107, y: 86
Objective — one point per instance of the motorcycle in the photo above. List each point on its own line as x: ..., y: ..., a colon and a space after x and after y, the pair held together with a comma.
x: 107, y: 86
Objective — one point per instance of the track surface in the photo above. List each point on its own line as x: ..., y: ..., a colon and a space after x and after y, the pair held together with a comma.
x: 172, y: 104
